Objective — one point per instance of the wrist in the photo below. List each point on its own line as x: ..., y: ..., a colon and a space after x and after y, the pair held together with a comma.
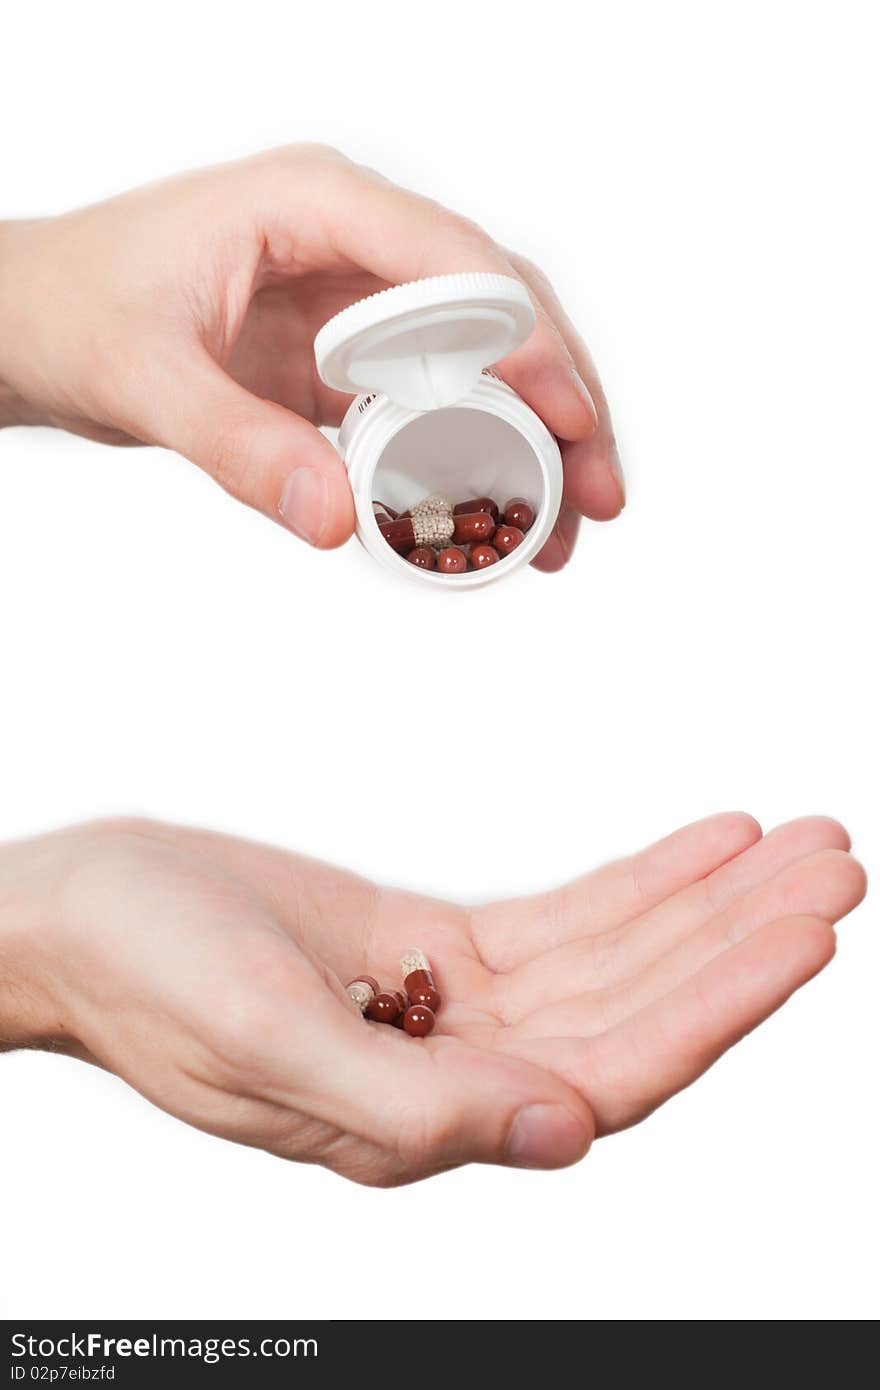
x: 18, y: 295
x: 30, y: 1015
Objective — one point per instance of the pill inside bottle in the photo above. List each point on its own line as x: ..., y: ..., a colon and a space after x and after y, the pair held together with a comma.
x: 453, y: 539
x: 434, y: 419
x: 472, y: 459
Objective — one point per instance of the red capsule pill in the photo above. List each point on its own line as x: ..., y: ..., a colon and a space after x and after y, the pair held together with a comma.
x: 420, y: 990
x: 479, y: 504
x: 399, y: 534
x: 424, y: 557
x: 418, y: 1021
x: 452, y: 561
x: 507, y: 538
x: 384, y: 1008
x: 473, y: 526
x: 417, y: 984
x: 520, y: 513
x: 483, y: 555
x: 417, y: 976
x: 403, y: 1005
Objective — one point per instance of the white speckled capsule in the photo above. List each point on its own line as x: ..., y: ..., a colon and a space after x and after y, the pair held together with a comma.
x: 362, y: 992
x: 434, y: 503
x: 413, y: 959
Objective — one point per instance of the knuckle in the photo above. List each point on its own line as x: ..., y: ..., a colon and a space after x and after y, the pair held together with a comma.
x: 307, y: 152
x: 111, y: 849
x: 460, y: 241
x: 532, y: 273
x: 125, y: 831
x: 317, y: 152
x: 464, y: 230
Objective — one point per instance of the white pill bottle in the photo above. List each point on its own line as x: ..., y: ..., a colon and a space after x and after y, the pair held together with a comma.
x: 431, y: 417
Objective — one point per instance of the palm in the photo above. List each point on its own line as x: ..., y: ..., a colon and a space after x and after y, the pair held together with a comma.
x: 631, y: 981
x: 627, y: 983
x: 624, y: 985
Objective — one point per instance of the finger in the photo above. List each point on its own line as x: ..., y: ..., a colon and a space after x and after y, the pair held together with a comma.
x: 428, y: 1104
x: 594, y: 481
x: 826, y: 885
x: 399, y: 236
x: 262, y: 454
x: 630, y: 1070
x: 592, y: 478
x: 625, y: 952
x: 559, y: 547
x: 512, y: 932
x: 787, y: 846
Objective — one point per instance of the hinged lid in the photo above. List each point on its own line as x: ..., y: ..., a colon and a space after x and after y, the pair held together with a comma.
x: 424, y: 344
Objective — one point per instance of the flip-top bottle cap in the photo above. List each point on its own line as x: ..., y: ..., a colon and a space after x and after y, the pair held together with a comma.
x: 425, y: 344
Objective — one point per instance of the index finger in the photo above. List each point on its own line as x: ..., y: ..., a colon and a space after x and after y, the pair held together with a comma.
x: 594, y: 482
x: 351, y: 213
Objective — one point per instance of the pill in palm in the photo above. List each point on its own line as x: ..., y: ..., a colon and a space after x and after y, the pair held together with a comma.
x: 418, y: 979
x: 384, y: 1007
x: 418, y: 1021
x: 412, y: 1008
x: 362, y: 991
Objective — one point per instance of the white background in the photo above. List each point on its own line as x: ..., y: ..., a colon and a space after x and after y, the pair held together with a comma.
x: 698, y: 181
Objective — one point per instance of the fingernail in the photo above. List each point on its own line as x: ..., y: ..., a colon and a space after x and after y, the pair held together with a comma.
x: 304, y: 504
x: 545, y: 1136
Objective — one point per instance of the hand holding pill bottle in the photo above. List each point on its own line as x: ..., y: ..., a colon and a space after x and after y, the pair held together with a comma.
x: 185, y: 314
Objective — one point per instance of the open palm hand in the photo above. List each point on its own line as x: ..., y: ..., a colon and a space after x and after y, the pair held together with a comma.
x: 210, y: 973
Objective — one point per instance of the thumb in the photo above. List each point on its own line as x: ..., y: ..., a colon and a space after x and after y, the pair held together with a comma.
x: 262, y: 454
x: 439, y: 1103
